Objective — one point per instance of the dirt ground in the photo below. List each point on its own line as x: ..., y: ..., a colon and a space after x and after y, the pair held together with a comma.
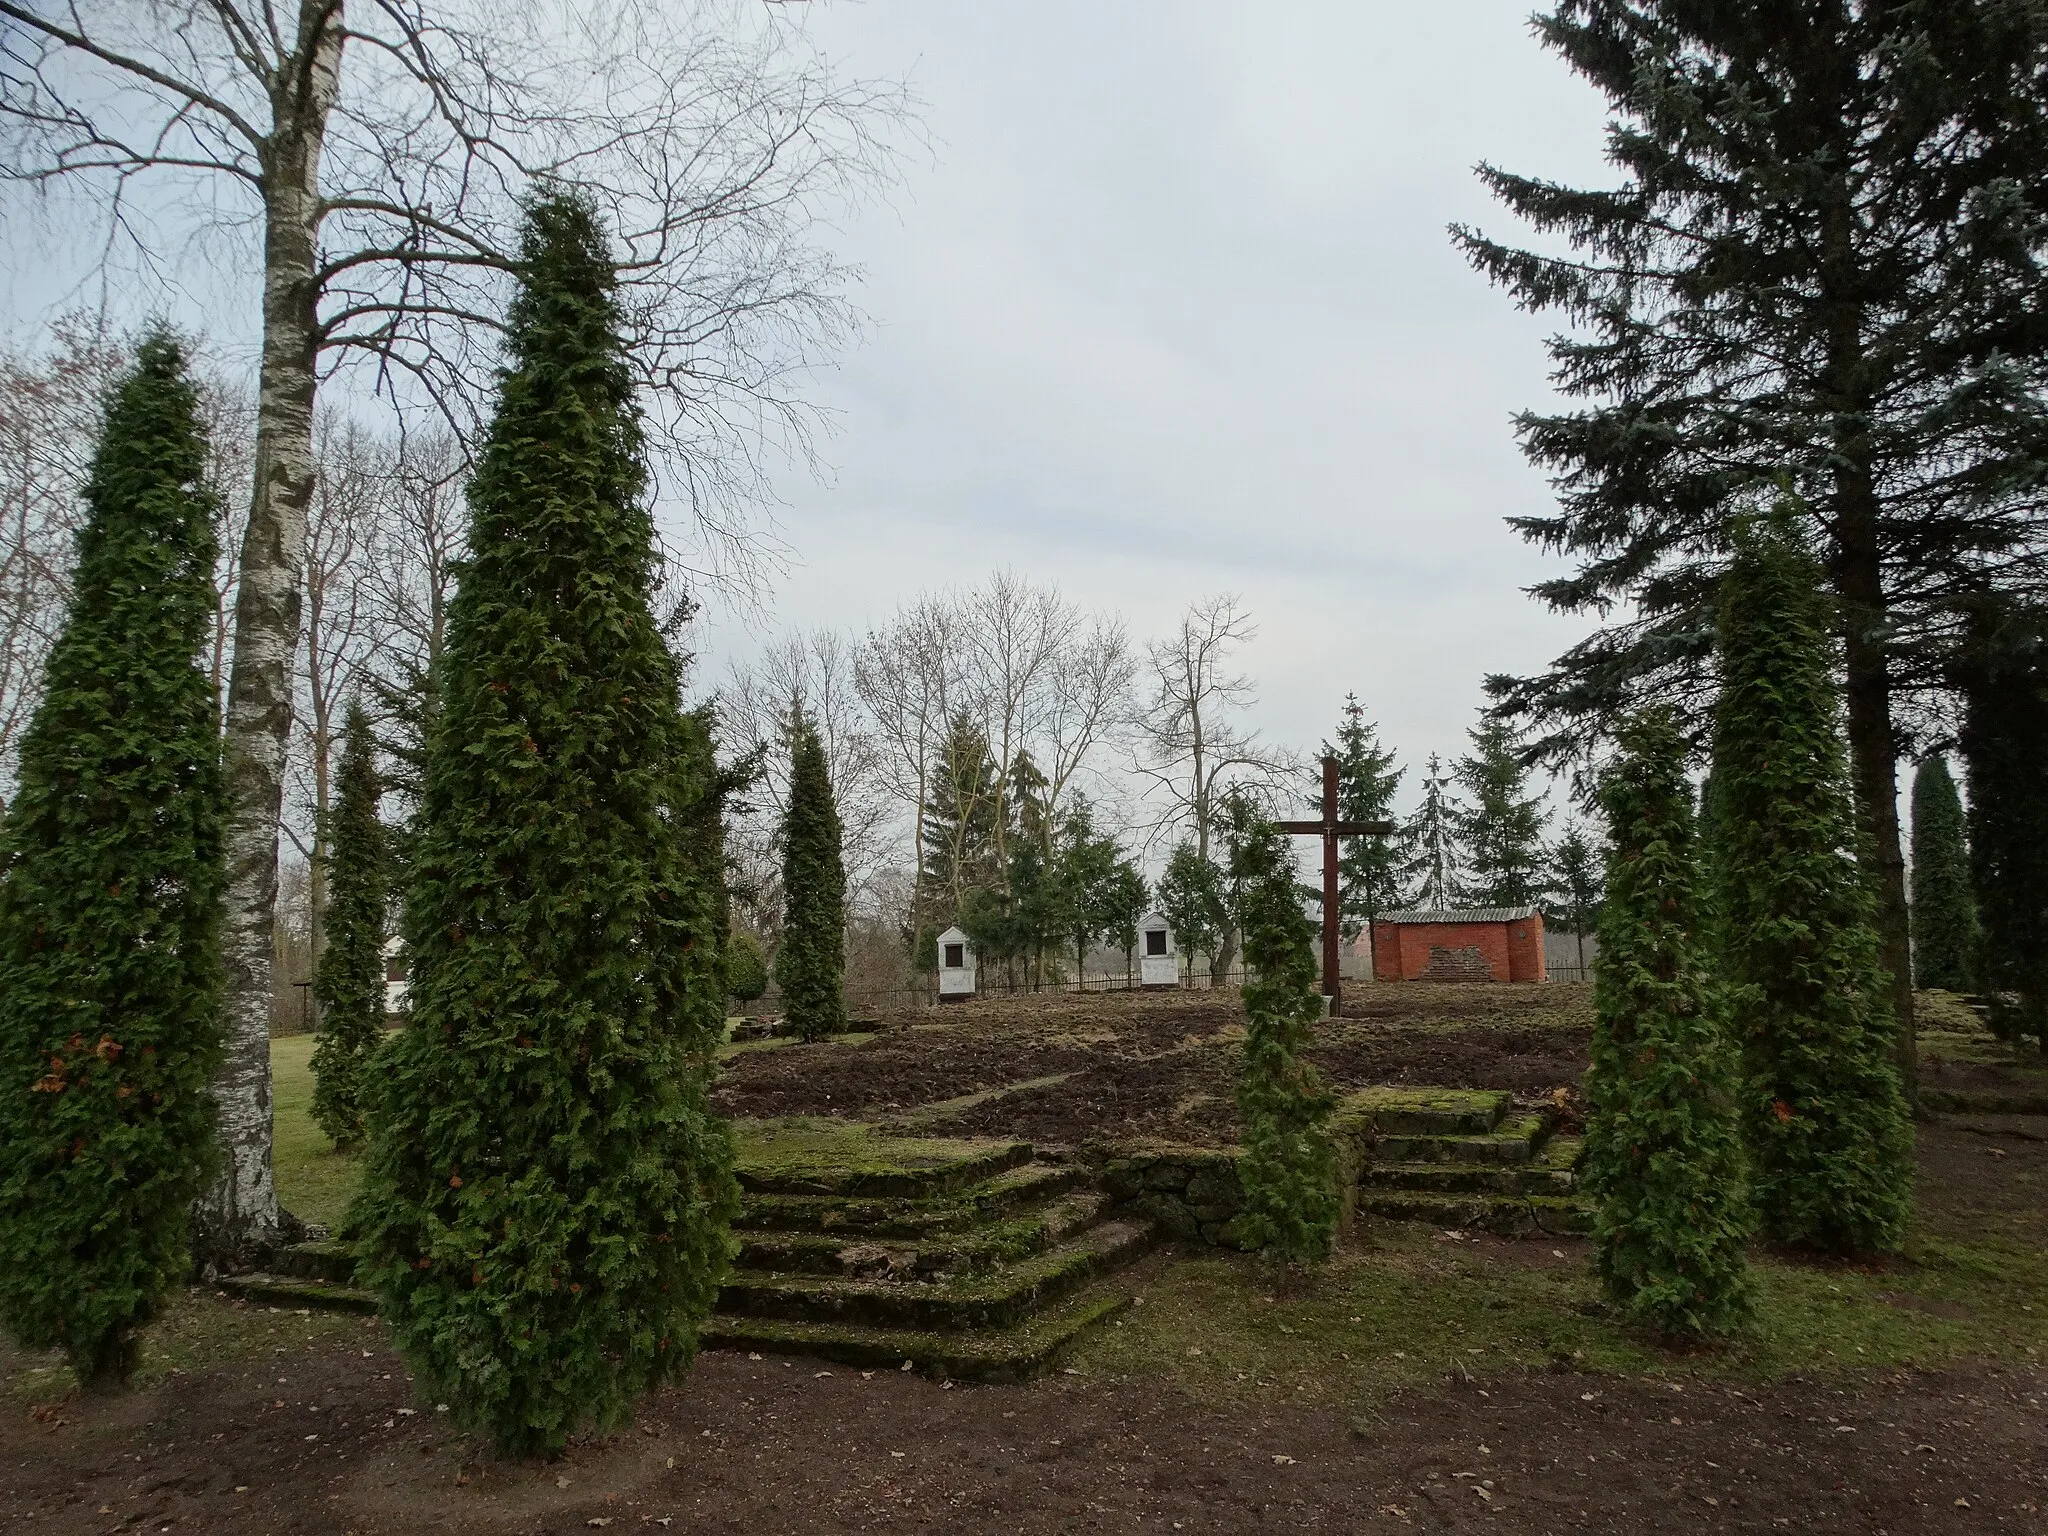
x: 1158, y: 1066
x: 770, y: 1446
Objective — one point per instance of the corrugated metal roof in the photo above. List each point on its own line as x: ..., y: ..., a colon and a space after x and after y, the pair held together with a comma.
x: 1459, y: 915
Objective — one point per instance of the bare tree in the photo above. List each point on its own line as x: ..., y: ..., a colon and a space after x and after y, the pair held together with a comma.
x: 907, y: 676
x: 1193, y: 745
x: 375, y: 154
x: 1015, y: 634
x: 50, y: 411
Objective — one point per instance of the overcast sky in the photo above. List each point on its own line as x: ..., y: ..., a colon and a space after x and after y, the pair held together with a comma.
x: 1169, y: 309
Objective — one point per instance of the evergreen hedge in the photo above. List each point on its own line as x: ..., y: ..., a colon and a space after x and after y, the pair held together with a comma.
x: 1288, y: 1168
x: 1945, y: 936
x: 1664, y: 1157
x: 547, y: 1193
x: 811, y: 965
x: 110, y: 909
x: 1826, y: 1120
x: 349, y: 981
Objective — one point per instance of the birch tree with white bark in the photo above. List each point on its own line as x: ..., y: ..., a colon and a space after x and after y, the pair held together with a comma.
x: 367, y: 160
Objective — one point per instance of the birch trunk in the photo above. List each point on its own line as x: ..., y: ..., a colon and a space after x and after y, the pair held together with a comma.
x: 239, y: 1215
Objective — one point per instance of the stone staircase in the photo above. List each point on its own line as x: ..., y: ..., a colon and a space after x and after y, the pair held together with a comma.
x: 968, y: 1259
x: 1469, y: 1160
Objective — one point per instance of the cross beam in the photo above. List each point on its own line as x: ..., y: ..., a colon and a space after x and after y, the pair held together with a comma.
x: 1329, y: 829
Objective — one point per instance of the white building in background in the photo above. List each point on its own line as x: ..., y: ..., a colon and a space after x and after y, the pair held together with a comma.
x: 1158, y: 960
x: 956, y: 967
x: 394, y: 975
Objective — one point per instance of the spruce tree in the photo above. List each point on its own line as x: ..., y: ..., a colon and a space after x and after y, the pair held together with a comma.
x: 811, y: 965
x: 1826, y: 1121
x: 1944, y: 909
x: 2005, y: 743
x: 1090, y: 878
x: 1499, y: 825
x: 1368, y: 873
x: 1289, y: 1167
x: 1576, y: 884
x: 1664, y: 1157
x: 547, y: 1193
x: 110, y: 908
x: 350, y: 978
x: 1430, y: 867
x: 1820, y: 255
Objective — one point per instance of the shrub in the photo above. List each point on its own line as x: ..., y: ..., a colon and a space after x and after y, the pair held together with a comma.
x: 811, y: 964
x: 110, y: 909
x: 547, y: 1193
x: 1830, y: 1144
x: 1289, y: 1167
x: 350, y: 978
x: 746, y: 968
x: 1664, y: 1154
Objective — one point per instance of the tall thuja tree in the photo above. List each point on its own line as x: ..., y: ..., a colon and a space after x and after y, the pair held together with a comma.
x: 2005, y: 744
x: 1289, y: 1165
x: 110, y: 910
x: 811, y: 965
x: 1664, y: 1157
x: 1499, y: 824
x: 350, y: 979
x: 1368, y: 868
x: 1944, y: 908
x: 547, y: 1193
x: 1429, y: 843
x: 1821, y: 255
x: 1826, y: 1121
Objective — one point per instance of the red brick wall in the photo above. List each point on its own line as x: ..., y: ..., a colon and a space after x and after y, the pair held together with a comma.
x: 1512, y: 951
x: 1525, y: 949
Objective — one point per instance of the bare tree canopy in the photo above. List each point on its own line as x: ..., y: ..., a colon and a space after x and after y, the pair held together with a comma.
x: 1193, y: 745
x: 374, y: 154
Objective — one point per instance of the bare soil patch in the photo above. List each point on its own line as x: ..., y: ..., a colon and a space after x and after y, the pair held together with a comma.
x: 1158, y: 1066
x: 771, y: 1446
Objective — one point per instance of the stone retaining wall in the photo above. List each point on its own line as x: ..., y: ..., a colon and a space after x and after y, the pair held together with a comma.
x: 1195, y: 1192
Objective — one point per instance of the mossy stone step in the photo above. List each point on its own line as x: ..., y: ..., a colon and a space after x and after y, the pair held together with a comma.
x: 1514, y: 1141
x: 811, y: 1157
x: 1430, y: 1111
x: 1468, y: 1179
x: 1505, y: 1215
x: 1001, y: 1300
x: 1013, y: 1189
x: 975, y: 1251
x: 1011, y: 1354
x: 294, y: 1291
x: 1985, y: 1101
x: 320, y: 1259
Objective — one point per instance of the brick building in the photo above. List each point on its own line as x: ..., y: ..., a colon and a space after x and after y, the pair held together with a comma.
x: 1472, y: 944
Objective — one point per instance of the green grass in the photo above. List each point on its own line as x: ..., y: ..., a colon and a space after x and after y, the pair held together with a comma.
x: 314, y: 1182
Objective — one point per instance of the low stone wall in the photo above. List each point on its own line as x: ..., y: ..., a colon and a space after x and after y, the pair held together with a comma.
x: 1195, y: 1193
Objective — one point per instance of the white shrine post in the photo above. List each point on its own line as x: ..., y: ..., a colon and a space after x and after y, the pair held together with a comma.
x: 1158, y: 960
x: 956, y: 967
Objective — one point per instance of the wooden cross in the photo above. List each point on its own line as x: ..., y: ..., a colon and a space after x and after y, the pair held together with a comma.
x: 1329, y: 829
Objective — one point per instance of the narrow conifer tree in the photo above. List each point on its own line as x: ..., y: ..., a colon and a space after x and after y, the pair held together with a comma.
x: 547, y: 1194
x: 1830, y: 1142
x: 1944, y: 909
x: 811, y: 965
x: 1664, y: 1153
x: 1289, y: 1167
x: 110, y: 907
x: 2005, y: 743
x: 349, y: 980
